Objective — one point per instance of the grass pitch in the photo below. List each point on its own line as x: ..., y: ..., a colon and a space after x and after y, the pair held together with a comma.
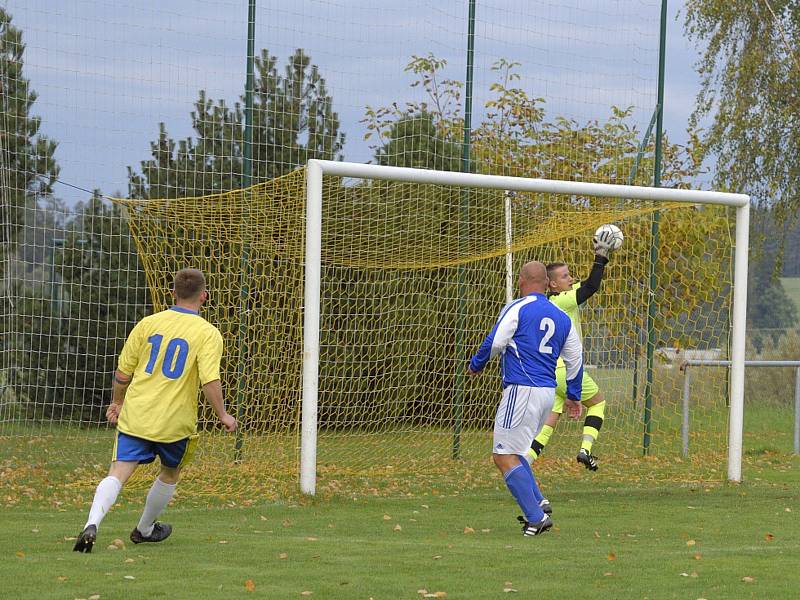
x: 612, y: 539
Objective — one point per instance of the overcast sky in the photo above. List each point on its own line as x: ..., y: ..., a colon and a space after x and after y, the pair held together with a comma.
x: 107, y: 72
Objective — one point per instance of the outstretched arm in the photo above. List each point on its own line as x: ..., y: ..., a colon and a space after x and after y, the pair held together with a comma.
x: 591, y: 284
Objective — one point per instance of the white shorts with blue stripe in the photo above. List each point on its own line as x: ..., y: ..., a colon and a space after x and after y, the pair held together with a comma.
x: 520, y: 417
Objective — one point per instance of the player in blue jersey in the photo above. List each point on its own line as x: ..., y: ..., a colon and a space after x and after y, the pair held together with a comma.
x: 166, y: 357
x: 529, y: 336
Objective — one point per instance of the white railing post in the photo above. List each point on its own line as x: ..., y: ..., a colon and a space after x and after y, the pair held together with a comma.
x: 313, y: 272
x: 685, y: 423
x: 797, y: 412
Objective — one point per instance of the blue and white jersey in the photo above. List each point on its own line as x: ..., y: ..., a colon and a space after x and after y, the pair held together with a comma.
x: 531, y: 334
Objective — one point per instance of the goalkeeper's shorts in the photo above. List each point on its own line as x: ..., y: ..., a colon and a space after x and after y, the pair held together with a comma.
x: 589, y: 388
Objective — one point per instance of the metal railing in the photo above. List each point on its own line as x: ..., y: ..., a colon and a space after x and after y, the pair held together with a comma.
x: 748, y: 363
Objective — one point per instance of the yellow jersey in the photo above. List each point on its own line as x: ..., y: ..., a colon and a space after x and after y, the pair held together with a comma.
x: 568, y: 302
x: 168, y: 355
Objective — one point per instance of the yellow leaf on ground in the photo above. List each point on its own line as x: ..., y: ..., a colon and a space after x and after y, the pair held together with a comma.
x: 387, y: 518
x: 612, y: 556
x: 398, y: 528
x: 306, y: 593
x: 119, y: 543
x: 250, y: 585
x: 283, y: 555
x: 20, y: 554
x: 748, y: 579
x: 469, y: 530
x: 769, y: 537
x: 690, y: 542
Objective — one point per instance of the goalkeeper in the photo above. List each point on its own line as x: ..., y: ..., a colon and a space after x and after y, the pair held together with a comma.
x: 569, y: 296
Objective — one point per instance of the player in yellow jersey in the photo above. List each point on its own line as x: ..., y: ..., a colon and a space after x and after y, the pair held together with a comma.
x: 166, y: 357
x: 569, y: 296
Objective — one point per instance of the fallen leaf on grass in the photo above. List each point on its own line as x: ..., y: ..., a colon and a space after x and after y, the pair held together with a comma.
x: 119, y: 544
x: 94, y: 597
x: 311, y: 539
x: 612, y: 556
x: 469, y: 530
x: 398, y: 528
x: 387, y: 518
x: 250, y: 585
x: 509, y: 590
x: 697, y: 557
x: 437, y: 557
x: 769, y: 537
x: 690, y: 542
x: 607, y: 574
x: 306, y: 593
x: 19, y: 554
x: 749, y: 579
x: 129, y: 560
x: 223, y: 541
x: 283, y: 555
x: 61, y: 578
x: 129, y: 577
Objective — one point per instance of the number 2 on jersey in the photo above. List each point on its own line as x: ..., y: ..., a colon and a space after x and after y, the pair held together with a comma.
x: 549, y: 327
x: 174, y: 356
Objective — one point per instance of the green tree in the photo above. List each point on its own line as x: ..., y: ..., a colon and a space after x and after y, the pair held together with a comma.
x: 293, y: 121
x: 414, y: 142
x: 72, y: 327
x: 750, y: 76
x: 28, y: 168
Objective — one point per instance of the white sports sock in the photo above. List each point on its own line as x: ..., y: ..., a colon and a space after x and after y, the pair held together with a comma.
x: 104, y: 498
x: 157, y: 499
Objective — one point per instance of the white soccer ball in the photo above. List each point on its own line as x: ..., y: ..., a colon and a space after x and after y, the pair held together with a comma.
x: 609, y: 235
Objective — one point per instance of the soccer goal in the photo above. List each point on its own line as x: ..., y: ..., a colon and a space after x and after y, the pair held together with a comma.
x: 407, y: 269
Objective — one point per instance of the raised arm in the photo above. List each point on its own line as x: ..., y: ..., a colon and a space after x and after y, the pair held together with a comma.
x: 591, y: 284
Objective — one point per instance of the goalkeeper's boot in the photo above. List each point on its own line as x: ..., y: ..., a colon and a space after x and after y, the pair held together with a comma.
x: 587, y: 460
x: 86, y: 539
x: 530, y: 529
x: 544, y: 504
x: 161, y: 531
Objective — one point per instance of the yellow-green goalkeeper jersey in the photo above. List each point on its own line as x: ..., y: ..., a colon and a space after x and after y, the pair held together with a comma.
x: 169, y: 355
x: 568, y: 302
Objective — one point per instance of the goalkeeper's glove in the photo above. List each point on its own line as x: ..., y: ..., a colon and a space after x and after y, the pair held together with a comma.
x: 603, y: 244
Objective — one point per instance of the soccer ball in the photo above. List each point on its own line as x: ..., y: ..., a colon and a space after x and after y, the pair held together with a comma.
x: 609, y: 235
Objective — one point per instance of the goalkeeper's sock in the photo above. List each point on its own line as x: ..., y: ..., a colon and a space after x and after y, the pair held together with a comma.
x: 536, y: 492
x: 539, y: 442
x: 592, y: 425
x: 104, y: 497
x: 520, y: 483
x: 157, y: 499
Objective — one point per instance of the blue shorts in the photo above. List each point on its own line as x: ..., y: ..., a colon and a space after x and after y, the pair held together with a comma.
x: 172, y: 454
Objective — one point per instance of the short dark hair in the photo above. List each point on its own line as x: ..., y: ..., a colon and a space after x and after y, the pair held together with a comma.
x: 553, y: 266
x: 189, y: 283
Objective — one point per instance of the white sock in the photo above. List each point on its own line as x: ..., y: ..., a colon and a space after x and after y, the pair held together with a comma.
x: 157, y: 499
x: 104, y: 498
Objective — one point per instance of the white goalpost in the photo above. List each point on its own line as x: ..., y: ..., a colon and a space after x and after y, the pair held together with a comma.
x: 317, y: 169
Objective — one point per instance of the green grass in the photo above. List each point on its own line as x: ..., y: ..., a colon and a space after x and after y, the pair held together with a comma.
x: 792, y: 287
x: 612, y: 539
